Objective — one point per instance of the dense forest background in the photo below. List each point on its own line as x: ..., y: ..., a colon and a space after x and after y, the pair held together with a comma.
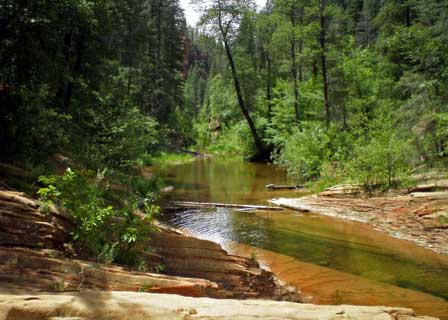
x: 330, y: 89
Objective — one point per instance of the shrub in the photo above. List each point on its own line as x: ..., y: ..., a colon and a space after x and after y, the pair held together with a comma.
x: 118, y: 145
x: 305, y: 152
x: 101, y: 231
x: 383, y: 159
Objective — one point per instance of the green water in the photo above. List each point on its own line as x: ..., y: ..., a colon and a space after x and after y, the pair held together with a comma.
x: 345, y: 246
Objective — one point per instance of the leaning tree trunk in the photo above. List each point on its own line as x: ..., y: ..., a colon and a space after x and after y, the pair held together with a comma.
x: 262, y: 152
x: 258, y: 144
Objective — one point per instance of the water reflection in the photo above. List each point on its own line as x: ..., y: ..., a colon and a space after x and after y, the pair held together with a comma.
x: 231, y: 181
x: 345, y: 246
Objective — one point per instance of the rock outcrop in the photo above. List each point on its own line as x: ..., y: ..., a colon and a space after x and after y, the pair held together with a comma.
x: 421, y: 217
x: 133, y: 306
x: 22, y: 224
x: 238, y: 277
x: 47, y: 270
x: 27, y: 233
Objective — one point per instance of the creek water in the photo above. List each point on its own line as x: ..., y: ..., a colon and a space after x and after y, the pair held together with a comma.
x: 333, y: 260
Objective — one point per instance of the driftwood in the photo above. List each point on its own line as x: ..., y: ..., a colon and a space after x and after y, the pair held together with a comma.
x: 188, y: 204
x: 283, y: 187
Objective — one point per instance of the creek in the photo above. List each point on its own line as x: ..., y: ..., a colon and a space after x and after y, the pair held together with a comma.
x: 332, y: 260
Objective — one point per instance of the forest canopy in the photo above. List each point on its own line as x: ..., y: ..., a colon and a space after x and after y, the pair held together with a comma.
x: 325, y: 88
x: 353, y: 89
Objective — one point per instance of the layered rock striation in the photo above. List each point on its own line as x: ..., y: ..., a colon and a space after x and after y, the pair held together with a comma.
x: 32, y: 255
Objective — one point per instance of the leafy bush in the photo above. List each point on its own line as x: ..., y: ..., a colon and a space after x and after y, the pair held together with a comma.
x: 127, y: 136
x: 305, y: 151
x: 101, y: 231
x: 166, y: 158
x: 383, y: 159
x: 231, y: 141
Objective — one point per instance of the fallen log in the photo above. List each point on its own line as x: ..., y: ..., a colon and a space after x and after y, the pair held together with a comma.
x: 189, y: 204
x: 283, y: 187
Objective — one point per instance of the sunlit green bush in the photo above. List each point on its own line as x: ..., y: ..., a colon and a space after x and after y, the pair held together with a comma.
x: 305, y: 151
x: 381, y: 157
x: 381, y: 162
x: 100, y: 231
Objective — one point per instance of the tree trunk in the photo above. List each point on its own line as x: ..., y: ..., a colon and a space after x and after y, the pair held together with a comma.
x: 159, y: 31
x: 322, y: 41
x: 258, y: 144
x: 73, y: 52
x: 263, y: 153
x: 269, y: 86
x: 76, y: 70
x: 300, y: 61
x: 301, y: 48
x: 294, y: 65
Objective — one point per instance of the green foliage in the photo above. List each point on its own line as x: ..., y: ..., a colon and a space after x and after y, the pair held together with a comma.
x: 160, y: 268
x: 108, y: 253
x: 58, y: 286
x: 114, y: 82
x: 254, y: 256
x: 443, y: 219
x: 162, y: 159
x: 126, y: 137
x: 100, y: 231
x: 222, y: 100
x: 383, y: 59
x: 383, y: 159
x: 305, y: 151
x: 90, y: 79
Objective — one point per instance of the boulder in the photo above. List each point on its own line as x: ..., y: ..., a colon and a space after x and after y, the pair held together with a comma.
x: 23, y: 224
x: 343, y: 190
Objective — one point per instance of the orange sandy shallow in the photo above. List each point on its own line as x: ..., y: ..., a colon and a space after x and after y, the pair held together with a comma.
x: 327, y: 286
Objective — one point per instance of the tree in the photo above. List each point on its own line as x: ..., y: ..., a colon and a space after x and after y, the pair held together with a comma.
x: 265, y: 23
x: 323, y: 58
x: 74, y: 70
x: 225, y: 15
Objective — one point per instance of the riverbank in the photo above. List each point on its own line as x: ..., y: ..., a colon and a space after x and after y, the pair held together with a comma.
x: 34, y: 258
x: 420, y: 217
x: 35, y: 253
x: 134, y: 306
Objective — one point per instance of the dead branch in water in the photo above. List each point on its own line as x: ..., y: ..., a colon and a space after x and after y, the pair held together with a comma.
x: 282, y: 187
x: 189, y: 204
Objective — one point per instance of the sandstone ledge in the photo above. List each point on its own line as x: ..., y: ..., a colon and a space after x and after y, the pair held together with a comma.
x: 139, y: 306
x: 32, y: 245
x: 420, y: 217
x: 45, y: 270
